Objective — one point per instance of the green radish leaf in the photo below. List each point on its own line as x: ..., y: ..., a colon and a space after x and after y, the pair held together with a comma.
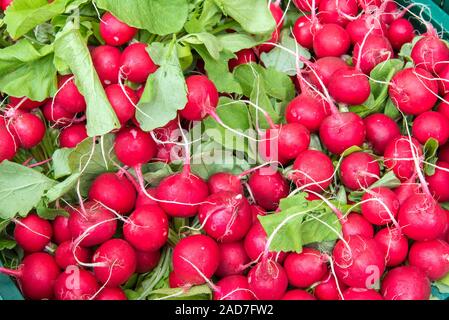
x: 212, y: 44
x: 380, y: 76
x: 156, y: 16
x: 6, y: 244
x: 194, y: 293
x: 235, y: 42
x: 259, y: 97
x: 154, y: 172
x: 71, y: 48
x: 388, y: 180
x: 391, y: 110
x: 321, y: 227
x: 203, y: 18
x: 62, y: 188
x: 27, y: 71
x: 165, y: 92
x: 246, y: 75
x: 431, y: 155
x: 47, y: 213
x: 21, y: 189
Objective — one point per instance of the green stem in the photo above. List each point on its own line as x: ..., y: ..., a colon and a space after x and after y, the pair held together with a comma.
x: 225, y: 26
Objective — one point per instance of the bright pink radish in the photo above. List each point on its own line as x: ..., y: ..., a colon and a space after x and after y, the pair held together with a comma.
x: 106, y: 61
x: 398, y: 156
x: 297, y: 294
x: 268, y: 280
x: 255, y: 242
x: 32, y: 233
x: 303, y: 31
x: 61, y: 230
x: 223, y: 181
x: 313, y: 170
x: 174, y: 281
x: 195, y: 259
x: 432, y: 257
x: 136, y: 63
x: 401, y: 31
x: 233, y: 259
x: 439, y: 181
x: 66, y: 252
x: 306, y: 110
x: 421, y: 218
x: 134, y: 147
x: 147, y: 261
x: 443, y: 154
x: 336, y: 11
x: 380, y: 205
x: 96, y: 224
x: 412, y: 92
x: 71, y: 136
x: 225, y: 216
x: 430, y: 53
x: 147, y: 228
x: 24, y: 103
x: 431, y: 124
x: 306, y: 5
x: 359, y: 170
x: 294, y: 138
x: 57, y: 115
x: 115, y: 262
x: 114, y: 191
x: 202, y: 98
x: 359, y: 263
x: 68, y: 95
x: 443, y: 74
x: 393, y: 244
x: 361, y: 294
x: 76, y: 284
x: 277, y: 14
x: 115, y: 32
x: 8, y: 147
x: 406, y: 190
x: 380, y: 130
x: 325, y: 68
x: 305, y: 268
x: 356, y: 224
x: 268, y: 188
x: 365, y: 25
x: 389, y: 12
x: 406, y: 283
x: 257, y: 211
x: 110, y: 294
x: 331, y: 41
x: 27, y: 128
x: 233, y: 288
x: 122, y: 101
x: 349, y: 86
x: 373, y: 51
x: 36, y: 275
x: 242, y: 57
x: 327, y: 289
x: 4, y: 4
x: 143, y: 200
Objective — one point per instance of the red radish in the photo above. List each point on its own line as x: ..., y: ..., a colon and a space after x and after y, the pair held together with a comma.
x: 147, y: 228
x: 242, y: 57
x: 115, y: 32
x: 268, y: 188
x: 24, y: 103
x: 306, y: 110
x: 202, y: 98
x: 297, y: 294
x: 68, y: 96
x: 136, y: 63
x: 359, y: 262
x: 443, y: 154
x: 306, y: 268
x: 223, y: 181
x: 61, y: 230
x: 406, y: 283
x: 233, y: 259
x: 233, y: 288
x: 225, y: 216
x: 337, y: 11
x: 294, y: 138
x: 195, y: 259
x: 134, y: 147
x: 359, y: 170
x: 431, y: 124
x: 331, y: 41
x: 115, y: 262
x: 4, y: 4
x: 365, y: 24
x: 389, y: 12
x: 143, y: 200
x: 430, y: 53
x: 356, y: 224
x: 27, y: 129
x: 401, y: 31
x: 306, y: 5
x: 257, y: 211
x: 76, y: 284
x: 380, y: 205
x: 56, y: 114
x: 380, y: 130
x: 412, y: 92
x: 327, y: 289
x: 110, y: 294
x: 268, y: 280
x: 96, y: 225
x: 255, y: 242
x: 36, y: 275
x: 71, y: 136
x: 432, y: 257
x: 8, y: 147
x: 393, y: 244
x: 106, y: 60
x: 349, y: 86
x: 278, y: 15
x: 361, y: 294
x: 443, y: 74
x: 303, y: 30
x: 147, y: 261
x: 421, y: 218
x: 175, y: 281
x: 325, y: 68
x: 373, y: 51
x: 439, y: 181
x: 122, y: 101
x: 32, y: 233
x: 313, y: 170
x: 114, y: 191
x: 406, y: 190
x: 398, y: 156
x: 65, y: 255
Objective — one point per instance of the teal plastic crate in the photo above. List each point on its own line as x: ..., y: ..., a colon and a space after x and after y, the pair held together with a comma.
x: 8, y: 289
